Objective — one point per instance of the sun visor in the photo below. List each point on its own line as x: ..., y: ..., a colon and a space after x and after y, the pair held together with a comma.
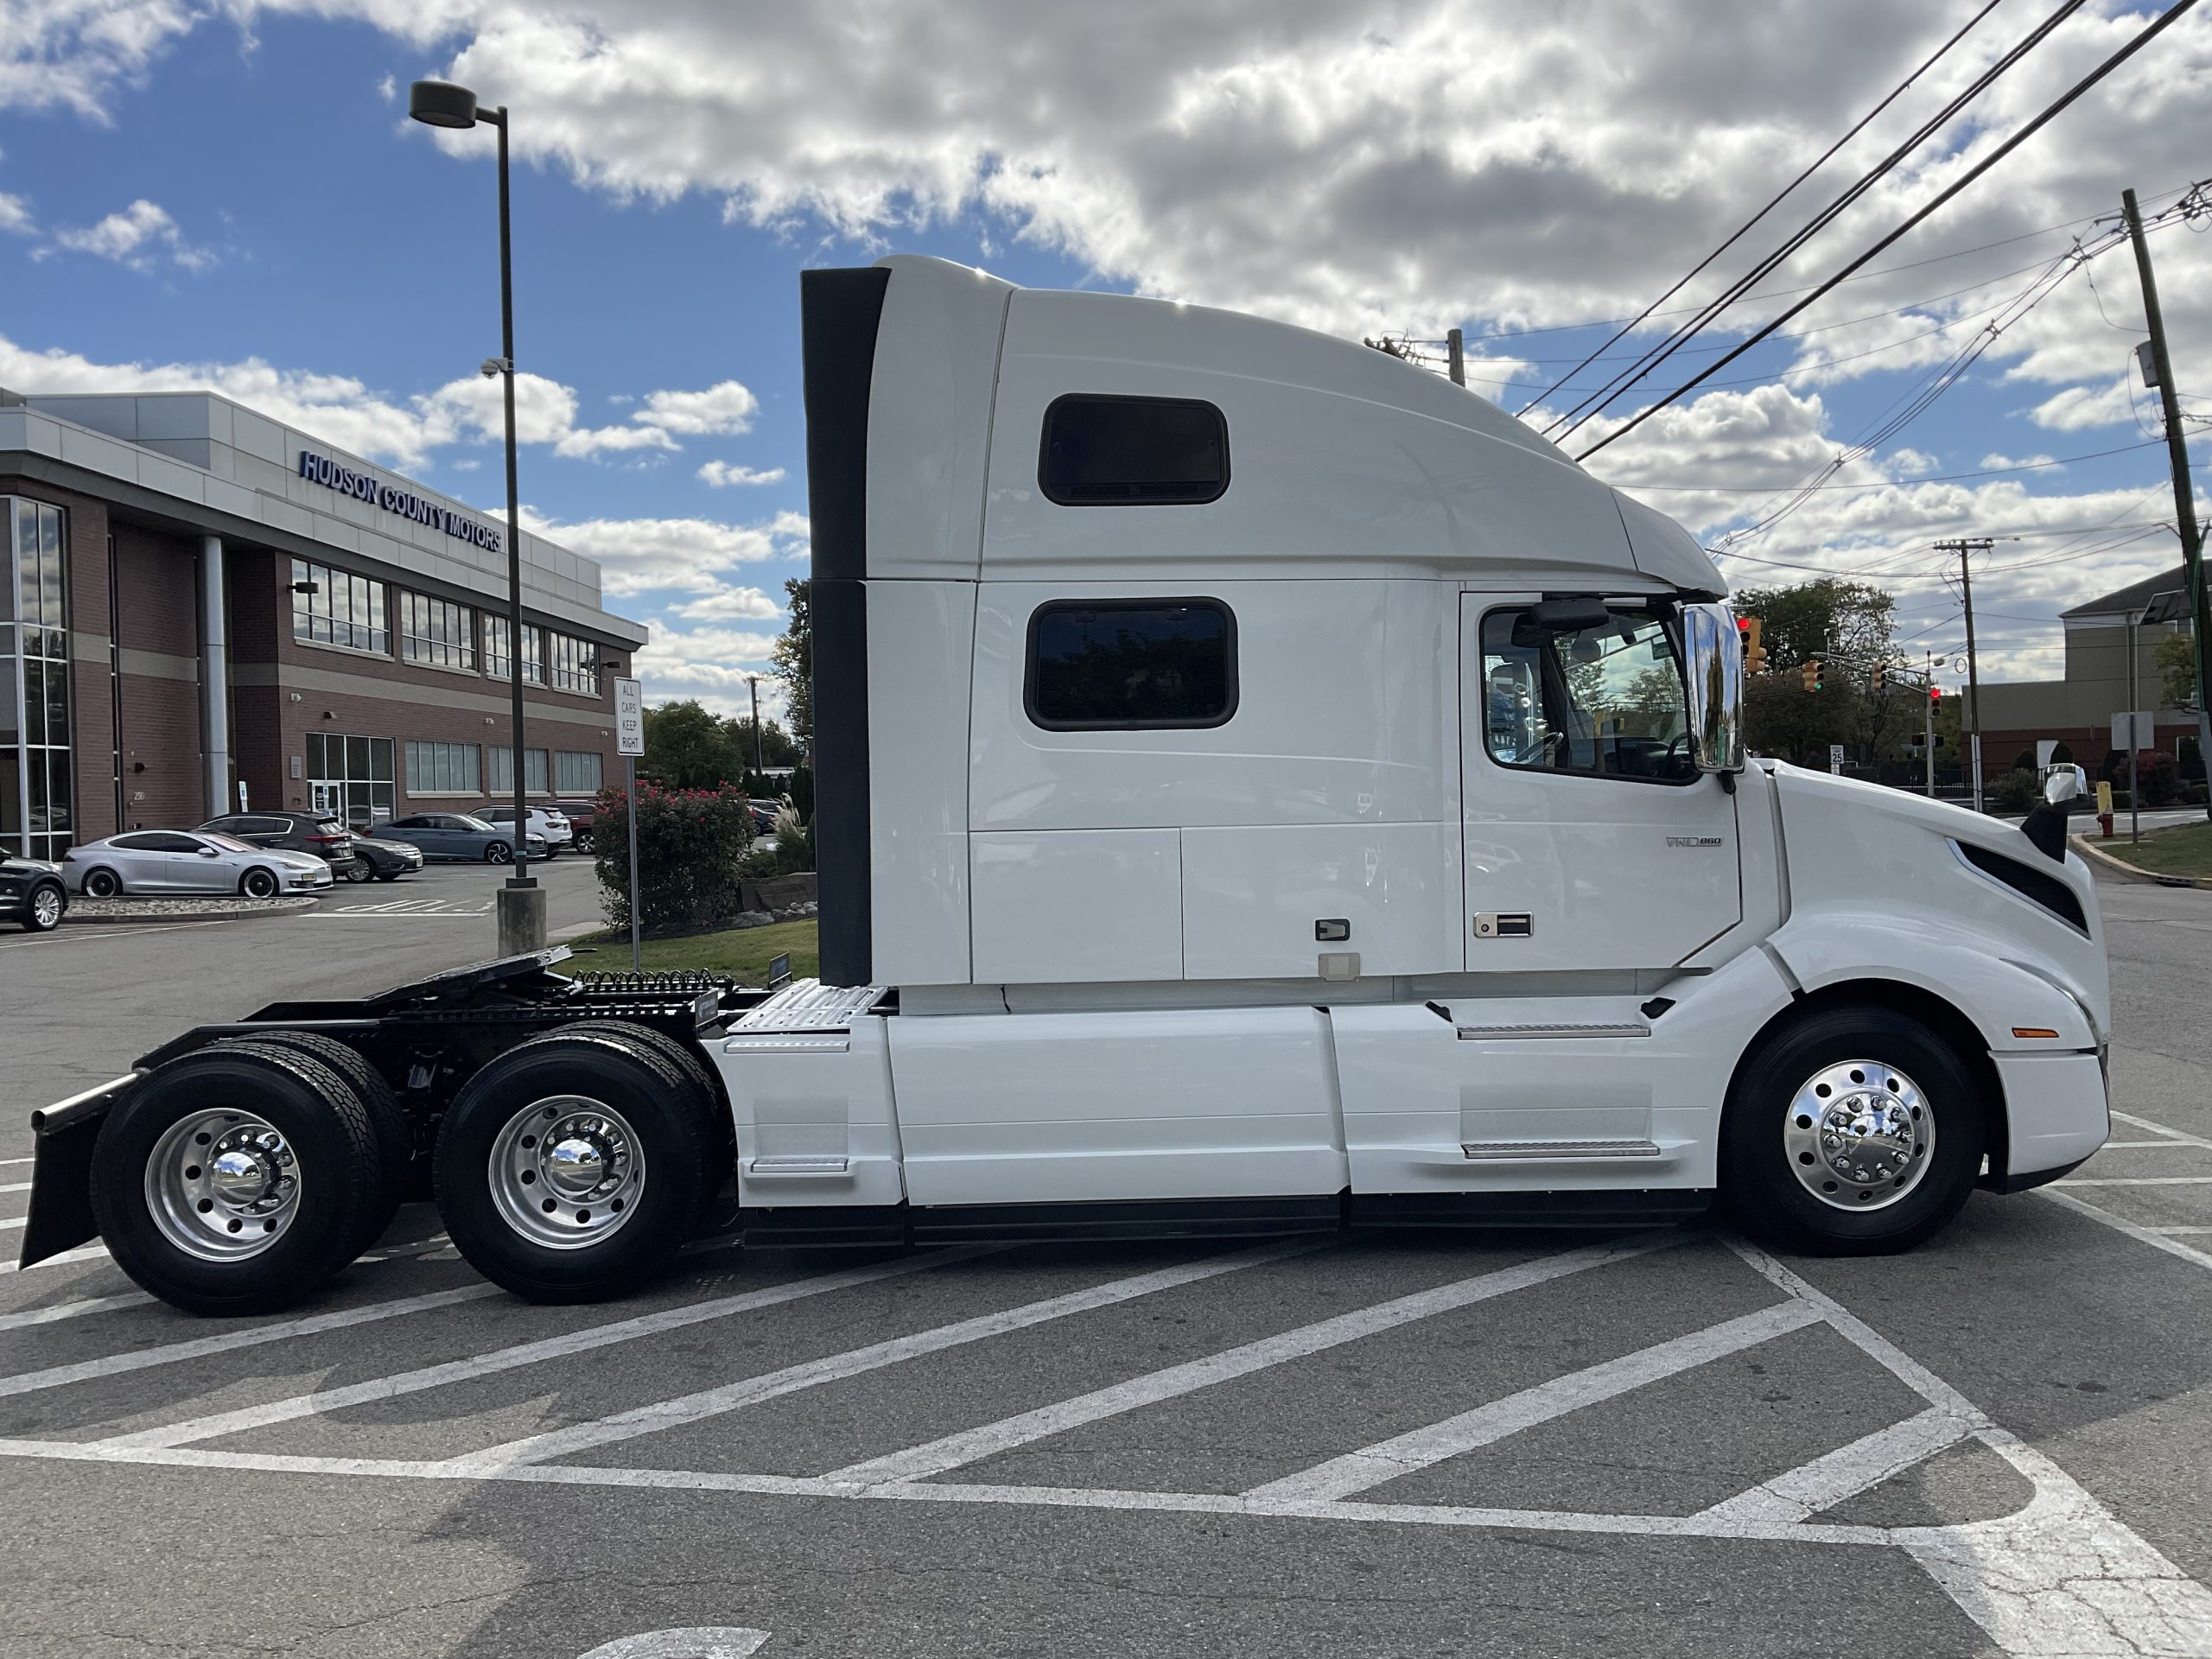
x: 1662, y: 549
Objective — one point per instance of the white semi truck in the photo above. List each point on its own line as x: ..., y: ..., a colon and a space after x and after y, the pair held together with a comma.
x: 1263, y: 788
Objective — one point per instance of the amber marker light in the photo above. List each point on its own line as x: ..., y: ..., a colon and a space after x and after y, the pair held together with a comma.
x: 2033, y: 1031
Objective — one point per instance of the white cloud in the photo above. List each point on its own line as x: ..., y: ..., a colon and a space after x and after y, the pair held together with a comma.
x: 16, y: 216
x: 731, y: 605
x: 140, y: 236
x: 724, y: 407
x: 74, y: 54
x: 639, y: 555
x: 388, y: 88
x: 722, y: 475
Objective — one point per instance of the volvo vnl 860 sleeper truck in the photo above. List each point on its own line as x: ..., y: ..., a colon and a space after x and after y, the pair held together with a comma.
x: 1263, y: 788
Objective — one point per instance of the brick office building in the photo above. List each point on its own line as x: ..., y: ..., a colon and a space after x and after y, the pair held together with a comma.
x: 199, y: 605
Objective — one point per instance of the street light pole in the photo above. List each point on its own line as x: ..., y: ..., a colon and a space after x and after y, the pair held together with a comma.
x: 521, y: 900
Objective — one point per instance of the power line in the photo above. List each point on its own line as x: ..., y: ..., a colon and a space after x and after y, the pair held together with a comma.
x: 1743, y: 229
x: 2142, y: 38
x: 1905, y: 483
x: 1589, y: 408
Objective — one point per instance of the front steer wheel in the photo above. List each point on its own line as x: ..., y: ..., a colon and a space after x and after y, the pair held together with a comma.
x: 570, y: 1169
x: 1854, y: 1131
x: 234, y: 1180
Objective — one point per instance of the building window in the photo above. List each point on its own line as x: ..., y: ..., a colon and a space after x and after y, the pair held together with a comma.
x: 350, y: 777
x: 501, y: 764
x: 1125, y: 664
x: 441, y: 769
x: 37, y: 796
x: 1103, y: 452
x: 436, y: 631
x: 336, y: 608
x: 577, y: 772
x: 495, y: 651
x: 1604, y: 701
x: 573, y: 663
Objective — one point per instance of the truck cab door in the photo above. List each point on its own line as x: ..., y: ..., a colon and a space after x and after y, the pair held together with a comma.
x: 1590, y: 840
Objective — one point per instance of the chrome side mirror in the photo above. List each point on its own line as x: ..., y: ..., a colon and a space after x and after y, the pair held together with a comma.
x: 1713, y: 666
x: 2064, y: 784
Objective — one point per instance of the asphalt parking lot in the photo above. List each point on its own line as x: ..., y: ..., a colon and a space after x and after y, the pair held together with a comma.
x: 1665, y: 1443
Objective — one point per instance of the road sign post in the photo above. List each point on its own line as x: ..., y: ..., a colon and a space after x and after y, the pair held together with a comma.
x: 2133, y: 729
x: 630, y: 743
x: 1836, y: 759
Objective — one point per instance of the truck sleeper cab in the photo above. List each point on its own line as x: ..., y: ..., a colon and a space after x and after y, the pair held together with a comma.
x: 1262, y: 787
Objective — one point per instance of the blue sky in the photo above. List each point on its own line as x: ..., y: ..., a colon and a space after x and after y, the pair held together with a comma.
x: 237, y: 199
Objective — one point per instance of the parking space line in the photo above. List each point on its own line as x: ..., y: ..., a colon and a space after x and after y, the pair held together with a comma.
x: 2136, y: 1180
x: 20, y: 1221
x: 937, y: 1456
x: 2156, y: 1238
x: 2064, y: 1575
x: 2138, y: 1146
x: 1421, y: 1448
x: 171, y: 1353
x: 72, y: 1310
x: 17, y: 1186
x: 752, y: 1390
x: 2181, y: 1135
x: 82, y: 1253
x: 532, y: 1353
x: 2180, y: 1232
x: 1845, y: 1473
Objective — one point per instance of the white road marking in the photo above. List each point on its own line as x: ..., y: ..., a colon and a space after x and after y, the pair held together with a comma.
x: 720, y: 1641
x: 1420, y: 1448
x: 82, y: 1253
x: 17, y: 1186
x: 2156, y: 1238
x: 528, y: 1353
x: 1845, y: 1473
x: 749, y: 1391
x: 170, y: 1353
x: 2064, y: 1576
x: 18, y: 1160
x: 2138, y: 1146
x: 2138, y: 1180
x: 20, y: 1221
x: 82, y: 931
x: 937, y: 1456
x: 72, y: 1310
x: 2181, y: 1135
x: 2179, y: 1232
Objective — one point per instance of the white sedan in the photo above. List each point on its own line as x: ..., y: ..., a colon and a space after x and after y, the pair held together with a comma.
x: 188, y: 861
x: 549, y: 824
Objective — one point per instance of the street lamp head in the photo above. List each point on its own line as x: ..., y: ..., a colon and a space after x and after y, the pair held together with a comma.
x: 440, y: 103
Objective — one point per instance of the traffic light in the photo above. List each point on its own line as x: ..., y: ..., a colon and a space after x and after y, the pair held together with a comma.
x: 1809, y: 672
x: 1934, y: 693
x: 1747, y: 632
x: 1881, y: 675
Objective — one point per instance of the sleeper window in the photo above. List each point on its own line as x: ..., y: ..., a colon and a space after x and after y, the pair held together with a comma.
x: 1101, y: 451
x: 1603, y: 702
x: 1106, y: 664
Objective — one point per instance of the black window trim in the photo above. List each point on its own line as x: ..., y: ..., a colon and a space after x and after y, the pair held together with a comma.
x: 1045, y: 451
x: 1658, y: 614
x: 1231, y: 685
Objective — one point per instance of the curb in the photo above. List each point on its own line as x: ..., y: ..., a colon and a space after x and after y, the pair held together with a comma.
x: 2128, y: 872
x: 142, y: 910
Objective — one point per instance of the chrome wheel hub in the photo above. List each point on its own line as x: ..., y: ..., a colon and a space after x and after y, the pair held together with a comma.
x: 1860, y: 1135
x: 46, y: 906
x: 222, y: 1186
x: 566, y: 1172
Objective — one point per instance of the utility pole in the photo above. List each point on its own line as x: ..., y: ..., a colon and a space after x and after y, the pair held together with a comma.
x: 1455, y: 344
x: 754, y: 681
x: 2192, y: 547
x: 1964, y: 547
x: 1928, y: 711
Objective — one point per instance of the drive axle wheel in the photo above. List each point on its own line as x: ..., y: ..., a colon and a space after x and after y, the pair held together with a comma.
x: 232, y: 1180
x: 1855, y: 1131
x: 390, y: 1130
x: 570, y: 1168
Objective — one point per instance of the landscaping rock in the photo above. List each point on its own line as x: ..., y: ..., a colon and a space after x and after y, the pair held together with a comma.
x: 751, y: 918
x: 780, y: 891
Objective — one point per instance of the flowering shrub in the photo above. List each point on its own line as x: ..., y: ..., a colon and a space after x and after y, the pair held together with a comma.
x: 689, y: 843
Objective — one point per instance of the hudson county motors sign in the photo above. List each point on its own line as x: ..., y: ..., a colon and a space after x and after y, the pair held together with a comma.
x: 321, y: 469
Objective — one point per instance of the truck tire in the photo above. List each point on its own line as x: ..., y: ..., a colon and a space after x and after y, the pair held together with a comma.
x: 390, y: 1127
x: 708, y: 1100
x: 569, y: 1169
x: 1854, y: 1131
x: 232, y: 1180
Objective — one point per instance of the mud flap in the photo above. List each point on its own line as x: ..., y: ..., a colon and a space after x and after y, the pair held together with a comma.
x: 61, y: 1178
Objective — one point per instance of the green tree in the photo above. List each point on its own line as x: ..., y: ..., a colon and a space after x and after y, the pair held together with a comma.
x: 1848, y: 627
x: 687, y: 747
x: 794, y: 660
x: 2175, y: 657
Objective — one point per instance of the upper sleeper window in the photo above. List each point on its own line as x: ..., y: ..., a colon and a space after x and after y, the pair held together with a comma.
x: 1127, y: 664
x: 1103, y: 452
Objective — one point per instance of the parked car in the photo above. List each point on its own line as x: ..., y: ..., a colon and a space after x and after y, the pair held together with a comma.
x: 189, y: 860
x: 318, y: 833
x: 32, y: 893
x: 376, y: 859
x: 459, y: 835
x: 549, y: 824
x: 580, y: 814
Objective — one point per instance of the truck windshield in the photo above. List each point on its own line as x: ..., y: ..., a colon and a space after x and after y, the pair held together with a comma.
x: 1605, y: 701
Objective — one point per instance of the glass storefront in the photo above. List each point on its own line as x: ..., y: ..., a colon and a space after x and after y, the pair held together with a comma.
x: 351, y: 777
x: 37, y: 796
